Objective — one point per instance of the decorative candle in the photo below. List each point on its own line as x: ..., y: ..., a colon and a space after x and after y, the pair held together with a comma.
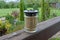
x: 30, y: 20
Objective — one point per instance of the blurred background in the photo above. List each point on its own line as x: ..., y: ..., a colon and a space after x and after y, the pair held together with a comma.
x: 12, y: 15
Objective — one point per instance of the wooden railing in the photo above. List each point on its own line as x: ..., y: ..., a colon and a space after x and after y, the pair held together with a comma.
x: 45, y: 29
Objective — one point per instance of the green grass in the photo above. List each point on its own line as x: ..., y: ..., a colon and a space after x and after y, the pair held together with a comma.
x: 57, y: 38
x: 56, y: 11
x: 4, y: 12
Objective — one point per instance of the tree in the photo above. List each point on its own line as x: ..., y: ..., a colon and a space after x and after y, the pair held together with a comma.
x: 42, y: 10
x: 45, y: 10
x: 11, y: 4
x: 2, y: 4
x: 21, y: 10
x: 31, y: 3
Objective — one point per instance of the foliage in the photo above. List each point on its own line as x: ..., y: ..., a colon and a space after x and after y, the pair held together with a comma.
x: 3, y: 29
x: 12, y: 5
x: 42, y: 10
x: 13, y: 27
x: 29, y: 3
x: 12, y: 23
x: 21, y: 10
x: 3, y: 4
x: 32, y: 4
x: 10, y: 18
x: 15, y: 14
x: 45, y: 10
x: 7, y: 11
x: 9, y: 27
x: 55, y: 38
x: 6, y: 27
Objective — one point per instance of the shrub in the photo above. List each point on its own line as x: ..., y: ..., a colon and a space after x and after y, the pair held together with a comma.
x: 3, y: 29
x: 10, y: 19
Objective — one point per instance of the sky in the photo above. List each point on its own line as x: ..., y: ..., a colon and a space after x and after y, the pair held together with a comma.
x: 11, y: 0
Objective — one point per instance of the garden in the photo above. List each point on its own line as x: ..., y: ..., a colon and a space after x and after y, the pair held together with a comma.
x: 10, y: 21
x: 12, y: 14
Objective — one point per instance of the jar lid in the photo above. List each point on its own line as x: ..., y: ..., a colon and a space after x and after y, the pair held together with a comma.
x: 30, y: 12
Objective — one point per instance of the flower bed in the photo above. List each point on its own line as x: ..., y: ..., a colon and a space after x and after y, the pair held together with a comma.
x: 10, y: 23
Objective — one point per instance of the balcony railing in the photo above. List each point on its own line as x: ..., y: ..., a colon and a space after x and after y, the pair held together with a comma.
x: 45, y: 31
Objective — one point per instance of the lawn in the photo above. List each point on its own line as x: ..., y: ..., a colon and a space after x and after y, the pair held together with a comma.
x: 56, y: 11
x: 4, y: 12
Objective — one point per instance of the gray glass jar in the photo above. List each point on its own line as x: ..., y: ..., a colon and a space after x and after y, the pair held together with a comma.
x: 31, y: 19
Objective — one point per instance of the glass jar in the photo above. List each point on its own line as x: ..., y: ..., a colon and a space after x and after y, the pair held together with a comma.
x: 30, y: 20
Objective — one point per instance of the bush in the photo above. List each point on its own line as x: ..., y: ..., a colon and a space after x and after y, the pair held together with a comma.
x: 3, y: 29
x: 10, y: 18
